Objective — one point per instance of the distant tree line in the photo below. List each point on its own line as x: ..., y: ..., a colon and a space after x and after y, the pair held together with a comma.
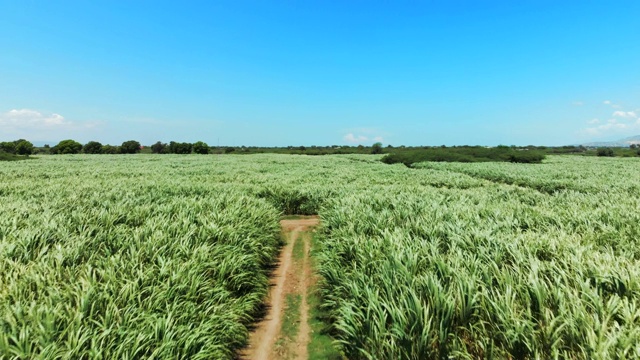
x: 173, y: 147
x: 70, y: 146
x: 633, y: 150
x: 403, y: 154
x: 304, y: 150
x: 200, y: 147
x: 128, y: 147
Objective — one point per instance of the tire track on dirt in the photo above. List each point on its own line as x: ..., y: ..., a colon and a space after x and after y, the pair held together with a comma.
x: 305, y: 330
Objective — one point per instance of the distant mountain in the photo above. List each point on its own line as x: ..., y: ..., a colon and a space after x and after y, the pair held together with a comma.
x: 618, y: 143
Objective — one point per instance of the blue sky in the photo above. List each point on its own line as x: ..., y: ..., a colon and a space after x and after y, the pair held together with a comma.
x: 277, y: 73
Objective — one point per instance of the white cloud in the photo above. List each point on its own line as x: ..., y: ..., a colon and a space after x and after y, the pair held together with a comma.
x: 28, y: 118
x: 36, y: 126
x: 612, y: 128
x: 355, y: 139
x: 365, y: 135
x: 577, y: 103
x: 367, y: 131
x: 621, y: 123
x: 625, y: 114
x: 609, y: 103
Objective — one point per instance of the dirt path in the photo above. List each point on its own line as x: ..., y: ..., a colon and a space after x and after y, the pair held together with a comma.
x: 290, y: 278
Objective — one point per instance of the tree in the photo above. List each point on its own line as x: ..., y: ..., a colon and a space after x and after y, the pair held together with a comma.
x: 376, y: 148
x: 110, y: 149
x: 633, y: 146
x: 130, y: 147
x: 8, y: 147
x: 67, y: 147
x: 159, y: 148
x: 180, y: 148
x: 92, y: 147
x: 200, y: 148
x: 605, y: 152
x: 24, y: 147
x: 19, y: 147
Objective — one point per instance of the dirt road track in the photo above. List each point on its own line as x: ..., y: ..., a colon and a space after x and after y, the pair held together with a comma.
x: 284, y: 281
